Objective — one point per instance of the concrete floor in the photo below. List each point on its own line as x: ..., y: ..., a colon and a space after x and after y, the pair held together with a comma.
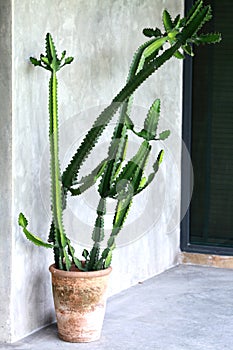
x: 185, y: 308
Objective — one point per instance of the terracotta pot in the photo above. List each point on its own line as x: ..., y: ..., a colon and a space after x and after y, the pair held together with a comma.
x: 80, y: 302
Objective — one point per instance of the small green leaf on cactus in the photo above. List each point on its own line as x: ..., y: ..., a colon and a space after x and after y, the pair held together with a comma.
x: 22, y: 220
x: 68, y: 60
x: 44, y: 59
x: 150, y: 32
x: 176, y: 21
x: 34, y: 239
x: 151, y: 121
x: 167, y: 21
x: 50, y: 48
x: 179, y: 55
x: 63, y: 54
x: 164, y: 135
x: 34, y: 61
x: 188, y: 49
x: 85, y: 253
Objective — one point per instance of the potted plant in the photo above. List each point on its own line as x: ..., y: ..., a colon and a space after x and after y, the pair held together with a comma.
x: 79, y: 284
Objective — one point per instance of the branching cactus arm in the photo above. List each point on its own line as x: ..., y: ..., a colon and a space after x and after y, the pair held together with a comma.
x: 179, y: 34
x: 148, y: 52
x: 89, y: 180
x: 127, y: 185
x: 184, y: 34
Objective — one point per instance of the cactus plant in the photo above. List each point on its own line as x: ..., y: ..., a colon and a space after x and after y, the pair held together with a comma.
x: 118, y: 179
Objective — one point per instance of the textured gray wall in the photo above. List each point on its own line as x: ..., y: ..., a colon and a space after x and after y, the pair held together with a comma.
x: 5, y: 166
x: 102, y: 35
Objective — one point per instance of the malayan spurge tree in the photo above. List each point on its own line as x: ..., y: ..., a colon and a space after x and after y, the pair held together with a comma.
x: 117, y: 178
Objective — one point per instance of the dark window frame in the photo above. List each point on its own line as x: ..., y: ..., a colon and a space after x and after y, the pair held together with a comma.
x: 185, y: 244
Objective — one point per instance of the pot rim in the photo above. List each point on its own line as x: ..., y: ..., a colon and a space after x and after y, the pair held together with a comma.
x: 77, y: 273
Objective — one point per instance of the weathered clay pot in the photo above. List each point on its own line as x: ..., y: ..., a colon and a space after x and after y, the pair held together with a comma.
x: 80, y: 301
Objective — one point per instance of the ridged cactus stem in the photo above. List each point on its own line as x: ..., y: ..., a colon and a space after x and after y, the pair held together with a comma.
x: 55, y: 166
x: 98, y: 234
x: 56, y: 189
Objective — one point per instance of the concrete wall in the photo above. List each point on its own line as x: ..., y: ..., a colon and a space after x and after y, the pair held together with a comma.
x: 5, y: 166
x: 102, y: 35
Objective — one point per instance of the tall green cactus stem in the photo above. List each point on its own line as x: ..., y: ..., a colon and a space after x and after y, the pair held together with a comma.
x: 58, y: 237
x: 52, y: 63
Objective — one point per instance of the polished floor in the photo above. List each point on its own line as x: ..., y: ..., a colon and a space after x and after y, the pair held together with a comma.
x: 185, y: 308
